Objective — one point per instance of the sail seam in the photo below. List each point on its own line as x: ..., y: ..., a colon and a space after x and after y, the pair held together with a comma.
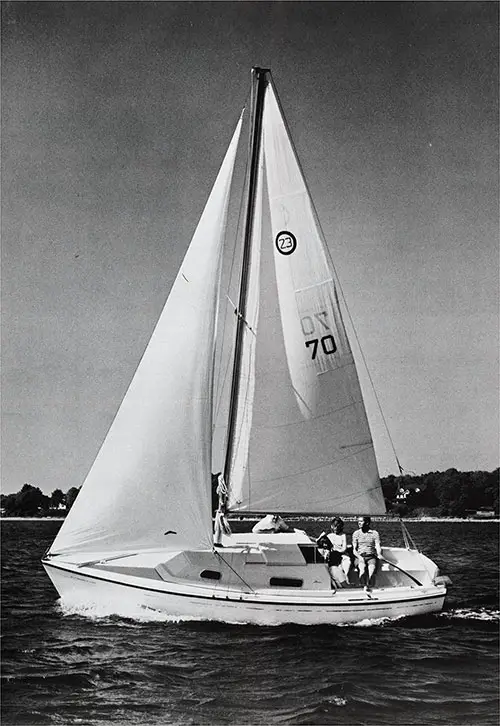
x: 350, y: 364
x: 308, y: 421
x: 301, y: 192
x: 353, y: 496
x: 314, y: 468
x: 338, y: 501
x: 316, y: 284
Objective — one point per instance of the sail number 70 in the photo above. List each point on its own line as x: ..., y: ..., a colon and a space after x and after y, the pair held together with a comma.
x: 309, y: 324
x: 327, y: 344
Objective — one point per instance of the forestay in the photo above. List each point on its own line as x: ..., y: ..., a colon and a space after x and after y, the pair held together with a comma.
x: 307, y: 433
x: 150, y: 483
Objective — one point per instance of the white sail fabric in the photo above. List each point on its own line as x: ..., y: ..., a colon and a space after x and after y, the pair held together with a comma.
x: 310, y: 444
x: 246, y: 383
x: 150, y: 483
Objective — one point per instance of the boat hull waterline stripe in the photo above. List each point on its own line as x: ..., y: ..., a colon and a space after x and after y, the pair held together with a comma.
x: 248, y: 599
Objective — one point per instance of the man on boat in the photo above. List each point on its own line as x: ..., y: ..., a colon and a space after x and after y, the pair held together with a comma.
x: 367, y: 550
x: 270, y: 523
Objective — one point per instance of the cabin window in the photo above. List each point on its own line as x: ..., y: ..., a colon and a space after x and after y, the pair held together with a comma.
x: 210, y: 575
x: 311, y: 554
x: 285, y: 582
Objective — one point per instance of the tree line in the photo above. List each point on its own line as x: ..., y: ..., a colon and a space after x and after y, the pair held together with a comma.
x: 448, y: 493
x: 32, y: 502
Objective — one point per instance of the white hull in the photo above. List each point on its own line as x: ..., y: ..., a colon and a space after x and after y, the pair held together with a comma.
x: 139, y: 581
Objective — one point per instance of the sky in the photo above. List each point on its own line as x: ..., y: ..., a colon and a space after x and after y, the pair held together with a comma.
x: 115, y: 119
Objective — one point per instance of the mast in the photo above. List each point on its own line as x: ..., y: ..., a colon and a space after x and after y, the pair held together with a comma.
x: 259, y: 83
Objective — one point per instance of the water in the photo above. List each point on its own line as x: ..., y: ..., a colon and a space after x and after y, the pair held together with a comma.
x: 90, y: 667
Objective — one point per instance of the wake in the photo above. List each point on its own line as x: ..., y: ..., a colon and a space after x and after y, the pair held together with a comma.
x: 101, y: 611
x: 484, y: 614
x: 113, y: 609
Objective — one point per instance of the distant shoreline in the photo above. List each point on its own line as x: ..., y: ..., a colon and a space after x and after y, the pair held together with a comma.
x: 32, y: 519
x: 297, y: 516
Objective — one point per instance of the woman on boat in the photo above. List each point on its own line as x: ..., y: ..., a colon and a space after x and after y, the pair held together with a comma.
x: 338, y: 540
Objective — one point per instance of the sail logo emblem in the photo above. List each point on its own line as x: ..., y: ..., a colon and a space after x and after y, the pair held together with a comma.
x: 286, y: 243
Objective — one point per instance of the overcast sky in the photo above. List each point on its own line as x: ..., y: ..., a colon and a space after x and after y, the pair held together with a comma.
x: 116, y: 117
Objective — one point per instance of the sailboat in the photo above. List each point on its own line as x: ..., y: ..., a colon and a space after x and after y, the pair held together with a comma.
x: 296, y: 439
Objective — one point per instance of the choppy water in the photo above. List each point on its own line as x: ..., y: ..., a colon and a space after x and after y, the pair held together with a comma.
x: 89, y: 667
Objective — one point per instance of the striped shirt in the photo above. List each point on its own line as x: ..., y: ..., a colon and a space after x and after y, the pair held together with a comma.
x: 365, y: 543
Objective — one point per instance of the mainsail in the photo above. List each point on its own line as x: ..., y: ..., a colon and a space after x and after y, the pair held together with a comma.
x: 150, y: 483
x: 306, y: 430
x: 246, y: 383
